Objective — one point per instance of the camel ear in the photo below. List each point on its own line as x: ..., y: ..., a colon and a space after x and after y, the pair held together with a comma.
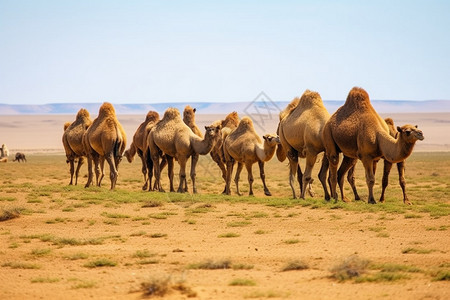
x: 194, y: 109
x: 417, y: 127
x: 206, y: 127
x: 399, y: 129
x: 265, y: 137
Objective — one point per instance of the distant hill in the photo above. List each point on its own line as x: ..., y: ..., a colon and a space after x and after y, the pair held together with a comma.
x: 259, y: 106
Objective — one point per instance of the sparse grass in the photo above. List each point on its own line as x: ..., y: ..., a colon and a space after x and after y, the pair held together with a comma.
x: 160, y: 287
x: 443, y: 275
x: 295, y: 265
x: 21, y: 265
x: 45, y: 280
x: 77, y: 256
x: 229, y: 235
x: 152, y: 203
x: 10, y: 213
x: 242, y: 282
x: 351, y: 267
x: 139, y: 233
x: 417, y: 251
x: 382, y: 277
x: 84, y: 284
x: 115, y: 215
x: 388, y: 267
x: 242, y: 267
x: 266, y: 294
x: 292, y: 241
x: 56, y: 220
x: 239, y: 224
x: 157, y: 235
x: 102, y: 262
x: 212, y: 265
x: 412, y: 216
x: 161, y: 215
x: 260, y: 231
x: 41, y: 252
x: 143, y: 254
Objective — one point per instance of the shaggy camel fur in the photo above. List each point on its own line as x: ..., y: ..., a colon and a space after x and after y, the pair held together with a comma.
x: 73, y: 142
x: 105, y: 138
x: 300, y: 132
x: 244, y: 146
x: 139, y: 146
x: 20, y: 157
x: 386, y: 170
x: 175, y: 139
x: 228, y: 124
x: 357, y: 131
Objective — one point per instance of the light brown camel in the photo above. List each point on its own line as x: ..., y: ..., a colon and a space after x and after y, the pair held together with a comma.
x: 4, y: 151
x: 386, y: 170
x: 73, y: 142
x: 300, y: 132
x: 105, y: 138
x: 244, y: 146
x: 357, y: 131
x: 189, y: 120
x: 228, y: 124
x: 139, y: 146
x: 175, y: 139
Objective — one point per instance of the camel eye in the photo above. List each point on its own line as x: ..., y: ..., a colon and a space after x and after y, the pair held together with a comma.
x: 408, y: 132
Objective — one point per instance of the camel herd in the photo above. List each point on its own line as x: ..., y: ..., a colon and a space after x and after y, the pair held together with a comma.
x: 305, y: 130
x: 4, y: 154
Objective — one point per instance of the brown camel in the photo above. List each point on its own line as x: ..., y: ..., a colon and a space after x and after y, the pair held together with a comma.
x: 105, y: 138
x: 386, y: 170
x: 357, y: 131
x: 139, y: 146
x: 73, y: 141
x: 175, y: 139
x: 244, y: 146
x: 189, y: 120
x: 20, y: 157
x: 300, y: 132
x: 228, y: 124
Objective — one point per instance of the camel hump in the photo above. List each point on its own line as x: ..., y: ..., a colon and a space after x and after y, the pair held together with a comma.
x: 290, y: 107
x: 231, y: 120
x: 358, y: 98
x: 83, y: 113
x: 389, y: 121
x: 107, y: 109
x: 310, y: 98
x: 152, y: 116
x: 171, y: 113
x: 66, y: 125
x: 246, y: 123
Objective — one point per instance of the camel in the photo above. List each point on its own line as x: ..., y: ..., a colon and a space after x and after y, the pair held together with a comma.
x: 175, y: 139
x: 106, y: 139
x: 189, y: 120
x: 357, y: 131
x: 73, y: 142
x: 386, y: 170
x: 228, y: 124
x: 300, y: 132
x: 244, y: 146
x: 4, y: 151
x: 20, y: 157
x: 139, y: 146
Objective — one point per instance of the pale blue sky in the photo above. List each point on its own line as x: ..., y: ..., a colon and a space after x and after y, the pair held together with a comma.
x: 186, y: 51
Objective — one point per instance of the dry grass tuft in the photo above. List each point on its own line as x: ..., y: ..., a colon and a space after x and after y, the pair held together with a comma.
x: 212, y: 265
x: 295, y: 265
x: 8, y: 214
x: 351, y: 267
x: 161, y: 287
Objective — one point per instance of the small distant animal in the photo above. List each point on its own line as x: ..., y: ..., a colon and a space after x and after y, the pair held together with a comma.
x: 20, y: 157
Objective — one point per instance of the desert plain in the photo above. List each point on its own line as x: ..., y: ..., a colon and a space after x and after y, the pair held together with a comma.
x: 71, y: 242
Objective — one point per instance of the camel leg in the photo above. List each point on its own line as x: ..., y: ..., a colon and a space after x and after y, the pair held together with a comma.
x: 352, y: 182
x: 194, y: 160
x: 113, y: 173
x: 323, y: 176
x: 293, y: 168
x: 263, y: 178
x: 385, y: 181
x: 157, y: 170
x: 149, y: 166
x: 333, y: 176
x: 170, y: 172
x: 144, y: 167
x: 80, y: 163
x: 346, y: 165
x: 182, y: 163
x: 310, y: 161
x: 401, y: 178
x: 72, y: 167
x: 90, y: 172
x: 95, y: 158
x: 248, y: 166
x: 230, y: 165
x: 161, y: 165
x: 370, y: 177
x: 236, y: 178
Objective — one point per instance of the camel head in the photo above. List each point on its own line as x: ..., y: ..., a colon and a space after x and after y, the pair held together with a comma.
x: 189, y: 114
x: 128, y: 155
x: 271, y: 139
x: 410, y: 133
x: 213, y: 132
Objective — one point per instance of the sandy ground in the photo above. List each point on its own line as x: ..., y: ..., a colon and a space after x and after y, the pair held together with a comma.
x: 37, y: 133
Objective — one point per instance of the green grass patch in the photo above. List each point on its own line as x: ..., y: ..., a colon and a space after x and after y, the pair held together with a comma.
x: 239, y: 224
x: 21, y: 265
x: 41, y: 252
x: 45, y: 280
x: 242, y: 282
x: 229, y: 235
x: 102, y: 262
x: 115, y: 215
x: 212, y: 265
x: 77, y: 256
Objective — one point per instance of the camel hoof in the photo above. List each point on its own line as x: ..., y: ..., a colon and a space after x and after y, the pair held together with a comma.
x: 371, y: 201
x: 357, y: 198
x: 407, y: 202
x: 144, y: 188
x: 267, y: 193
